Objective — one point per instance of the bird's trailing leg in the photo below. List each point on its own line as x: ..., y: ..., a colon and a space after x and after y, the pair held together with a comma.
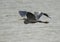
x: 43, y: 22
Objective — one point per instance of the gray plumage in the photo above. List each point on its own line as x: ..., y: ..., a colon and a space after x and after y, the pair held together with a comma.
x: 32, y: 18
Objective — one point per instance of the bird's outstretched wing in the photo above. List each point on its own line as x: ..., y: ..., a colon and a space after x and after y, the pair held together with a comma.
x: 45, y: 14
x: 30, y: 16
x: 40, y: 14
x: 22, y: 13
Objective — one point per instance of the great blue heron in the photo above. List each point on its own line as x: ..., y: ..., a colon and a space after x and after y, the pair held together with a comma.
x: 32, y: 18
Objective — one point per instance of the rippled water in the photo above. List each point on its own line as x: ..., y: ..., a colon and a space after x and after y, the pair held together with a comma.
x: 12, y: 29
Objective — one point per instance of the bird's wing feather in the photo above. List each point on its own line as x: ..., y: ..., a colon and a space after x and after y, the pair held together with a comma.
x: 46, y: 15
x: 30, y: 16
x: 22, y: 13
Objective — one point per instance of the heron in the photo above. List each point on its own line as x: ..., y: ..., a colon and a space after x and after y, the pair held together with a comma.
x: 33, y: 17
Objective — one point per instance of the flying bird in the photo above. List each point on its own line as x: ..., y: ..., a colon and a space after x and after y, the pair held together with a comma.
x: 33, y: 17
